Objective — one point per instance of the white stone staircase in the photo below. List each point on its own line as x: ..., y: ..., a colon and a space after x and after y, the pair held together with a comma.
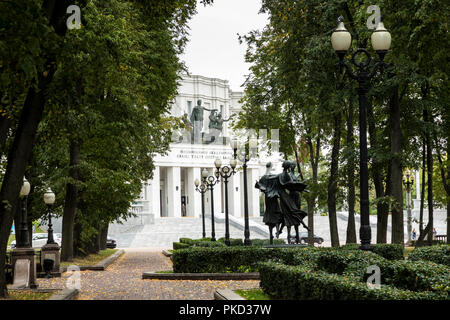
x: 167, y: 230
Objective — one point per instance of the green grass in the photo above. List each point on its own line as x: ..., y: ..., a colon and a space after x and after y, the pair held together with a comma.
x: 407, y: 251
x: 91, y: 259
x: 253, y: 294
x: 164, y: 271
x: 11, y: 239
x: 28, y: 295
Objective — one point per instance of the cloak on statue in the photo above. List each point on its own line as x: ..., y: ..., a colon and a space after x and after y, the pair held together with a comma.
x: 268, y: 184
x: 292, y: 214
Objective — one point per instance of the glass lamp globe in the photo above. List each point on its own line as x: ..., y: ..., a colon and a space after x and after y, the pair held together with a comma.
x: 341, y: 39
x: 381, y: 38
x: 204, y: 173
x: 218, y: 163
x: 196, y: 182
x: 49, y: 197
x: 25, y: 190
x: 234, y: 143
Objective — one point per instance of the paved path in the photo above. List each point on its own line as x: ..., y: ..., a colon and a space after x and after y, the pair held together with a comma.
x: 123, y: 281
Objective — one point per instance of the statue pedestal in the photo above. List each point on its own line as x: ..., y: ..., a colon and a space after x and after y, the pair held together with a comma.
x: 24, y: 268
x: 51, y: 251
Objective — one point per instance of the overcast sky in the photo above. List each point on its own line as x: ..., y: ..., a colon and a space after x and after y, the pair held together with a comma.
x: 214, y: 50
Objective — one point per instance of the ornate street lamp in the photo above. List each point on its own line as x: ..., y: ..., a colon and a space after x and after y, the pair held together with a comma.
x: 210, y: 182
x: 202, y: 189
x: 244, y: 156
x: 49, y: 199
x: 24, y: 239
x: 226, y: 172
x: 381, y: 42
x: 408, y: 181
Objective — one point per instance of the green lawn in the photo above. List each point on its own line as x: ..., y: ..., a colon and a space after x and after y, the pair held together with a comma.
x: 91, y: 259
x: 407, y: 251
x: 28, y: 295
x: 253, y: 294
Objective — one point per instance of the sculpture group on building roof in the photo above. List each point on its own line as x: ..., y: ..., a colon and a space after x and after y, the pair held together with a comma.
x: 194, y: 124
x: 282, y: 199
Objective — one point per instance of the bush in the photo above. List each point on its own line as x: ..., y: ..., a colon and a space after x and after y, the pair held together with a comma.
x: 302, y: 283
x: 266, y: 242
x: 180, y: 245
x: 414, y: 276
x: 209, y: 244
x: 228, y: 259
x: 233, y: 242
x: 390, y: 251
x: 437, y: 254
x: 393, y: 251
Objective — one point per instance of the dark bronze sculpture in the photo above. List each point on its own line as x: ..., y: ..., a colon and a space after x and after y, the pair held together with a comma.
x: 272, y: 216
x: 286, y: 188
x: 197, y: 120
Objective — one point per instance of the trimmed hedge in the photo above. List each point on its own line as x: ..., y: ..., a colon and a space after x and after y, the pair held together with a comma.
x: 390, y: 251
x: 180, y: 245
x: 187, y: 242
x: 437, y: 254
x: 228, y: 259
x: 302, y: 283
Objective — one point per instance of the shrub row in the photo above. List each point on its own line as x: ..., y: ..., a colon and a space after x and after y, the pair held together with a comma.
x: 206, y: 242
x: 437, y: 254
x: 301, y: 283
x: 410, y: 275
x: 390, y: 251
x: 228, y: 259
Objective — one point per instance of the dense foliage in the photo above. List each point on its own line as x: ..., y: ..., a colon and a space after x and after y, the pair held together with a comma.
x: 437, y: 254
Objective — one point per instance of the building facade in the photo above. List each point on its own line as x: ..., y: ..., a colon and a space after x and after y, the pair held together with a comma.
x: 171, y: 192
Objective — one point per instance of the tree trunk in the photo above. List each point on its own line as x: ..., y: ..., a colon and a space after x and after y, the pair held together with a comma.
x: 104, y: 236
x: 18, y: 156
x: 351, y: 227
x: 70, y: 204
x: 429, y: 181
x: 332, y: 184
x: 396, y: 169
x: 422, y: 191
x: 377, y: 176
x: 314, y: 160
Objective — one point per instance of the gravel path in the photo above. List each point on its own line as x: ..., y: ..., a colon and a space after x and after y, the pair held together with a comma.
x: 123, y: 281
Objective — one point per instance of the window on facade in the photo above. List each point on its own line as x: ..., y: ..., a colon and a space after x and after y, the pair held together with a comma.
x: 189, y: 107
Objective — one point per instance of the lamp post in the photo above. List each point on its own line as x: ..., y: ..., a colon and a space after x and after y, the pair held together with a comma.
x: 49, y: 199
x: 210, y: 182
x: 381, y: 42
x: 244, y: 157
x: 202, y: 189
x: 24, y: 254
x: 225, y: 172
x: 24, y: 239
x: 408, y: 181
x: 50, y: 252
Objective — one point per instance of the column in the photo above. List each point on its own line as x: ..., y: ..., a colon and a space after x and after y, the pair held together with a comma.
x: 217, y: 194
x: 173, y: 192
x: 416, y: 201
x: 253, y: 193
x: 153, y: 194
x: 234, y: 189
x: 194, y: 206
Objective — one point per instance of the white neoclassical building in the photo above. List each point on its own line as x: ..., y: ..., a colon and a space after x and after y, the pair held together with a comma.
x: 171, y: 192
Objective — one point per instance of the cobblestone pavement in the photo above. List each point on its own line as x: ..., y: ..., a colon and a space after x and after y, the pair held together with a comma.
x: 123, y: 281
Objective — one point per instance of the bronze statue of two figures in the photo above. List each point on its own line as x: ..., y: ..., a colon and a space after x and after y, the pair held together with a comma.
x: 282, y: 198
